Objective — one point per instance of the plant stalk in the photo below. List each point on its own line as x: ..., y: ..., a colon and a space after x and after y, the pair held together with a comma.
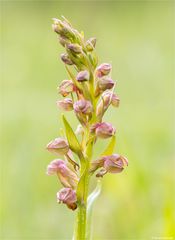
x: 81, y: 221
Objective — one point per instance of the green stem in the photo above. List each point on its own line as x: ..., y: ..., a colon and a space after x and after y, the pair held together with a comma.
x: 81, y: 222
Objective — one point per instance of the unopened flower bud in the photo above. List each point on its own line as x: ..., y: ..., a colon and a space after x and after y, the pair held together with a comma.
x: 63, y: 40
x: 57, y: 25
x: 74, y: 47
x: 67, y: 177
x: 68, y: 197
x: 66, y: 87
x: 62, y: 28
x: 83, y: 76
x: 103, y: 130
x: 115, y: 163
x: 65, y: 104
x: 83, y: 106
x: 66, y: 59
x: 103, y: 69
x: 105, y: 83
x: 90, y: 44
x: 58, y: 146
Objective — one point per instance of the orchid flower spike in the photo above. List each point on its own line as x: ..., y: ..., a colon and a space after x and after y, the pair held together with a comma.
x: 88, y: 92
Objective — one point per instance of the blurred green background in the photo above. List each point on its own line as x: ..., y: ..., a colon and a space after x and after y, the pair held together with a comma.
x: 137, y: 38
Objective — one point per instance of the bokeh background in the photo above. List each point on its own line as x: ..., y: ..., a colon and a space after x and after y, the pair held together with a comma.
x: 137, y: 38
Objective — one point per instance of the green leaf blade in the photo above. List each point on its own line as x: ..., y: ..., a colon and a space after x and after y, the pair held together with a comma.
x: 71, y: 137
x: 110, y: 148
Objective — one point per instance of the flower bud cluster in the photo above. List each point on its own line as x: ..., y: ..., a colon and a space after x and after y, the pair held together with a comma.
x: 71, y: 40
x: 88, y: 93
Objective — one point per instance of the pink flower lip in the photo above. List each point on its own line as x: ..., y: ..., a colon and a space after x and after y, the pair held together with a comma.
x: 68, y: 197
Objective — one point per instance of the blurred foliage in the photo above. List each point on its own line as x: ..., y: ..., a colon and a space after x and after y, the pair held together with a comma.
x: 137, y: 38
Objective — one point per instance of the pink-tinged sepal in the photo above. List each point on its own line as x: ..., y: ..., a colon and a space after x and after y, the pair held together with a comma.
x: 83, y: 106
x: 103, y: 70
x: 58, y: 146
x: 65, y: 104
x: 83, y: 76
x: 83, y: 110
x: 53, y: 167
x: 103, y: 84
x: 66, y: 87
x: 66, y: 59
x: 74, y: 48
x: 67, y: 177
